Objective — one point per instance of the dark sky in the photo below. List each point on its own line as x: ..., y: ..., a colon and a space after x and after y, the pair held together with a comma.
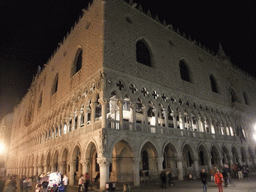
x: 30, y: 31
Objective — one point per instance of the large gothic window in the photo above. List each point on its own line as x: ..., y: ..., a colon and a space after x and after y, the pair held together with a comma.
x: 55, y: 84
x: 233, y: 96
x: 246, y: 101
x: 214, y: 85
x: 143, y: 54
x: 184, y: 72
x: 40, y: 100
x: 77, y: 64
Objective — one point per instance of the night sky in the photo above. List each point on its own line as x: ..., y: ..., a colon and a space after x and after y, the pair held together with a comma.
x: 30, y: 31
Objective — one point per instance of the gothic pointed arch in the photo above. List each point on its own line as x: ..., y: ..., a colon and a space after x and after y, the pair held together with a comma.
x: 184, y: 71
x: 77, y: 63
x: 246, y: 100
x: 214, y: 85
x: 233, y: 95
x: 55, y: 84
x: 143, y: 54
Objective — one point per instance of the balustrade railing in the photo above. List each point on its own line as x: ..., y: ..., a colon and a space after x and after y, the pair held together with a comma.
x: 140, y: 127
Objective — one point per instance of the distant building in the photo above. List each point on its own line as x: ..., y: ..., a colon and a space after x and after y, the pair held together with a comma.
x: 126, y: 93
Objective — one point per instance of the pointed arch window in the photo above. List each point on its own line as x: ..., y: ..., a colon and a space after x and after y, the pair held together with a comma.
x: 233, y: 96
x: 40, y: 100
x: 214, y: 85
x: 55, y: 84
x: 82, y: 119
x: 98, y: 109
x: 184, y: 71
x: 143, y: 55
x: 77, y: 64
x: 246, y: 101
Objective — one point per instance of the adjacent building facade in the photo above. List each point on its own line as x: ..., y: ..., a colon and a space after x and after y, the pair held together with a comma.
x: 126, y: 93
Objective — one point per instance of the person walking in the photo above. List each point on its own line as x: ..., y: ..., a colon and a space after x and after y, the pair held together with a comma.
x: 218, y: 177
x: 170, y: 181
x: 87, y: 181
x: 25, y: 184
x: 80, y: 183
x: 203, y: 176
x: 21, y: 183
x: 65, y: 182
x: 225, y: 177
x: 212, y: 171
x: 163, y: 179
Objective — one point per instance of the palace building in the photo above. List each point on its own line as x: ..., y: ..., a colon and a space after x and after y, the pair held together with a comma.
x: 125, y: 93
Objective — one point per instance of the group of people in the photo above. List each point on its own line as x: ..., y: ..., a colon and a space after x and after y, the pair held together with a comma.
x: 83, y: 183
x: 25, y: 184
x: 216, y: 175
x: 224, y: 177
x: 240, y: 171
x: 54, y: 182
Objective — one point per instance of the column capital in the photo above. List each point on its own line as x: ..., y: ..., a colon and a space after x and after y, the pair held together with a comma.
x: 160, y: 159
x: 103, y: 161
x: 103, y: 101
x: 86, y: 162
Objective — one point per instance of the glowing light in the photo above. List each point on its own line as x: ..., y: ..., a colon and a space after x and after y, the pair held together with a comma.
x: 2, y: 147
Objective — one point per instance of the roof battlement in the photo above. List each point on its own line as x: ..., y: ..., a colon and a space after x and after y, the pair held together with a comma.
x: 219, y: 54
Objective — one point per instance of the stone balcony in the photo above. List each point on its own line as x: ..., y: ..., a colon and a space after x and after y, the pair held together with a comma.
x: 160, y: 130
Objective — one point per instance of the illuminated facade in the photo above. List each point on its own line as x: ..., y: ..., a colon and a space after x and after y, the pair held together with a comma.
x: 125, y: 92
x: 5, y: 137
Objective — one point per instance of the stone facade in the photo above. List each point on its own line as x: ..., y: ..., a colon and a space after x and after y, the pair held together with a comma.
x: 125, y: 94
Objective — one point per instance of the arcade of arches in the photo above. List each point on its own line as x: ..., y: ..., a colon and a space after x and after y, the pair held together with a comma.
x: 129, y: 158
x: 142, y: 133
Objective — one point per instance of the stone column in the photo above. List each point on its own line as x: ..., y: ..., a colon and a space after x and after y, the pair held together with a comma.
x: 40, y: 169
x: 160, y: 163
x: 197, y: 124
x: 86, y: 166
x: 136, y: 171
x: 180, y: 169
x: 45, y: 168
x: 61, y: 167
x: 35, y: 170
x: 72, y: 170
x: 190, y: 123
x: 30, y: 171
x: 104, y: 171
x: 93, y: 107
x: 220, y: 162
x: 165, y: 111
x: 120, y: 104
x: 196, y: 167
x: 133, y: 118
x: 52, y: 167
x: 145, y: 116
x: 103, y: 112
x: 174, y: 117
x: 156, y: 120
x: 209, y: 163
x: 182, y: 124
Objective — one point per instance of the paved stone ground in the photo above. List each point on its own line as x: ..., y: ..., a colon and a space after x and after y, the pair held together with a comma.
x: 247, y: 185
